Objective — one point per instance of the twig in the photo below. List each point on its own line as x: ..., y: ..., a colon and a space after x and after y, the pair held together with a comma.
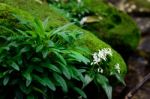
x: 138, y: 86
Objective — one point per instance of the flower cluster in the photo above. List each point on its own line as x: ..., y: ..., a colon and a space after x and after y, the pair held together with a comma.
x: 117, y: 67
x: 101, y: 55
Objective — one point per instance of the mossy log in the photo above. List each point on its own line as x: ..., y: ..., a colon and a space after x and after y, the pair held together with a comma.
x: 43, y: 11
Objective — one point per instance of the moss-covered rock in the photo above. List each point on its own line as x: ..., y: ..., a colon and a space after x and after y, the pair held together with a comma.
x: 109, y: 24
x: 115, y: 27
x: 43, y: 11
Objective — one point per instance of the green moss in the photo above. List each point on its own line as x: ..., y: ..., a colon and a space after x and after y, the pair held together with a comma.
x: 56, y: 20
x: 8, y: 13
x: 116, y: 27
x: 41, y: 11
x: 92, y: 42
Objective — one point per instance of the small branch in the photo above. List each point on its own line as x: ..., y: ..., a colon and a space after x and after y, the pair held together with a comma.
x: 138, y: 86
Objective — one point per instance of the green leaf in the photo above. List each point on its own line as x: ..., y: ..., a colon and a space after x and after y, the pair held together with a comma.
x: 39, y: 90
x: 49, y: 83
x: 45, y: 53
x: 65, y: 70
x: 45, y: 23
x: 39, y: 48
x: 79, y: 57
x: 118, y: 76
x: 14, y: 44
x: 87, y: 80
x: 77, y: 74
x: 83, y: 50
x: 52, y: 67
x: 15, y: 66
x: 1, y: 75
x: 79, y: 91
x: 7, y: 48
x: 38, y: 27
x: 37, y: 78
x: 61, y: 82
x: 45, y: 82
x: 65, y: 36
x: 7, y: 29
x: 61, y: 28
x: 59, y: 56
x: 108, y: 89
x: 103, y: 81
x: 51, y: 43
x: 28, y: 82
x: 22, y: 32
x: 5, y: 80
x: 73, y: 75
x: 27, y: 73
x: 36, y: 59
x: 24, y: 49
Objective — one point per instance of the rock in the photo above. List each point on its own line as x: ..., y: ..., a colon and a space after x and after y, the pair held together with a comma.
x: 144, y: 47
x: 114, y: 27
x: 143, y: 24
x: 140, y: 5
x: 43, y: 11
x: 137, y: 70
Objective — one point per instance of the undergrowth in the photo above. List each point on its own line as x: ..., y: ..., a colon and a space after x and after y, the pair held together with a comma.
x: 36, y: 63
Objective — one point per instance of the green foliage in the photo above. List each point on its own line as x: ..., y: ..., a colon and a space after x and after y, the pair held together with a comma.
x: 103, y: 81
x: 38, y: 61
x: 43, y: 61
x: 56, y: 20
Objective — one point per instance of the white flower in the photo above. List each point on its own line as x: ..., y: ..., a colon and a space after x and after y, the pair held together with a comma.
x: 78, y: 1
x: 107, y: 51
x: 101, y: 55
x: 117, y: 67
x: 96, y: 59
x: 100, y: 70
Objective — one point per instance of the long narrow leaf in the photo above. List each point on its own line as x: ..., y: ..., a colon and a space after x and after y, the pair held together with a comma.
x: 61, y: 81
x: 6, y: 80
x: 103, y: 81
x: 65, y: 70
x: 80, y: 92
x: 15, y: 66
x: 59, y: 56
